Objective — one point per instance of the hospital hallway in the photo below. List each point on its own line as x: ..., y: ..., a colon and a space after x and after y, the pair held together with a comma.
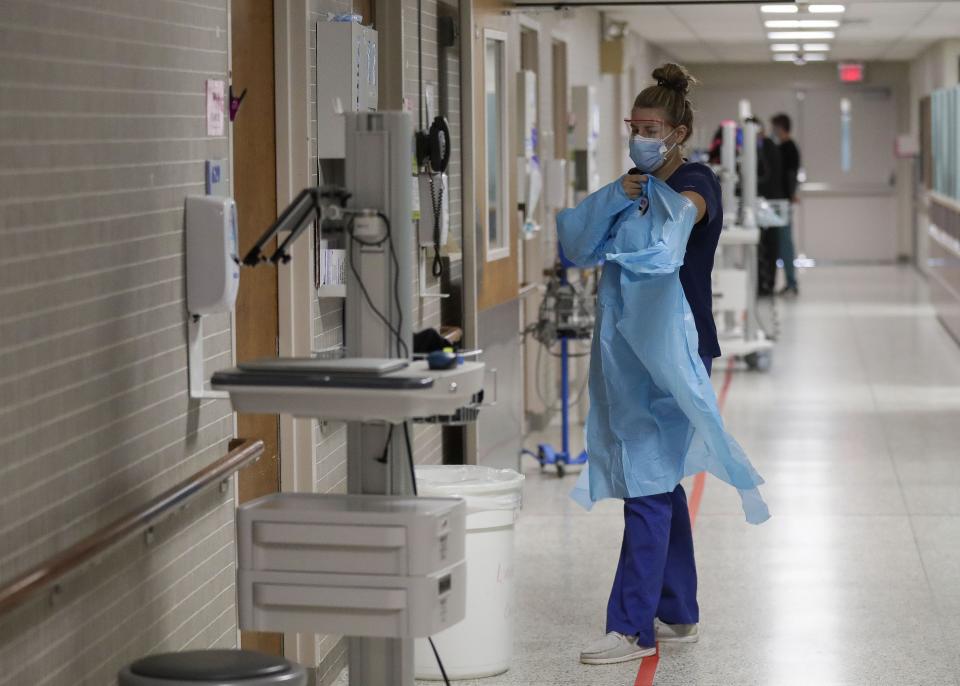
x: 852, y: 582
x: 305, y: 306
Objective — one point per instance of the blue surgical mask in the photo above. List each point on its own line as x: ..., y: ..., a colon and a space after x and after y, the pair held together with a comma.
x: 649, y: 154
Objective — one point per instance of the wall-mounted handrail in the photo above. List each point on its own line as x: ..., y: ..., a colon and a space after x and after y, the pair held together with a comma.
x: 84, y: 552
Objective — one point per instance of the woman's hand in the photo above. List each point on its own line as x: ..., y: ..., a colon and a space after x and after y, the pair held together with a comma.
x: 633, y: 185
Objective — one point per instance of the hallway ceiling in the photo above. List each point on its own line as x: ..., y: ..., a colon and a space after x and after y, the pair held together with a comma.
x: 734, y: 32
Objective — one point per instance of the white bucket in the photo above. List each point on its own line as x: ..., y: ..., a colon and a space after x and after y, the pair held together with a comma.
x: 482, y: 644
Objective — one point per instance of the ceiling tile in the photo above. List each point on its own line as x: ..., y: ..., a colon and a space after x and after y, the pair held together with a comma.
x: 870, y: 29
x: 690, y: 52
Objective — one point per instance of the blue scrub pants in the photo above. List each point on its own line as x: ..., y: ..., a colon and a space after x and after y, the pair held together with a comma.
x: 657, y: 574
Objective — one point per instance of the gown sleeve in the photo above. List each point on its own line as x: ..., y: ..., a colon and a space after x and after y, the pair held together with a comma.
x: 583, y: 229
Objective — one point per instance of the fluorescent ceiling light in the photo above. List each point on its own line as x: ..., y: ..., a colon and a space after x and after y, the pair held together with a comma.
x: 826, y: 9
x: 779, y: 9
x: 785, y: 57
x: 816, y: 47
x: 785, y: 47
x: 801, y: 35
x: 815, y: 57
x: 801, y: 23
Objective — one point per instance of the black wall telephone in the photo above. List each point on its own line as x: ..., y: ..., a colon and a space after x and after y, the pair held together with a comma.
x: 433, y: 146
x: 433, y: 154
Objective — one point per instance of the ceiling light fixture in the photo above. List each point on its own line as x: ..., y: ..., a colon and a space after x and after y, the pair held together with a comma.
x: 785, y: 57
x: 826, y: 9
x: 785, y: 47
x: 801, y: 23
x: 816, y: 47
x: 801, y: 35
x: 814, y: 57
x: 778, y: 9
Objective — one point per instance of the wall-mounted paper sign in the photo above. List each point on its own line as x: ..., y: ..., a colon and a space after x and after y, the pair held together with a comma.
x: 216, y: 107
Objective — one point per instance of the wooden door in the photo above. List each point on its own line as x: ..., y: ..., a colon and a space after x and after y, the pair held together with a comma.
x: 497, y: 275
x: 255, y: 184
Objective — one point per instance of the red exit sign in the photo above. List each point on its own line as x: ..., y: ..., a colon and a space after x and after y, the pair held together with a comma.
x: 851, y: 72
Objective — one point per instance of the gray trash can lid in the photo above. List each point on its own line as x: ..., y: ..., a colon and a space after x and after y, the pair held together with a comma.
x: 210, y: 665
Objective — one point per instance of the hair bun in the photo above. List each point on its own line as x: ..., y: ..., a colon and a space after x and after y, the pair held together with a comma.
x: 674, y: 77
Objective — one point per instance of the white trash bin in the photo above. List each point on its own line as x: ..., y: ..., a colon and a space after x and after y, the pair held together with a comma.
x: 482, y: 644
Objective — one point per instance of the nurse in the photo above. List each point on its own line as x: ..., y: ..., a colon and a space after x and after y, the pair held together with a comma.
x: 654, y: 594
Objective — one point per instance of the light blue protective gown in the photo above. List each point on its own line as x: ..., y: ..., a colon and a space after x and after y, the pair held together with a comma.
x: 653, y: 412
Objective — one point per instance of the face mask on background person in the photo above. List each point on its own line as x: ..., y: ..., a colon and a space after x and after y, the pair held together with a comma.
x: 649, y: 154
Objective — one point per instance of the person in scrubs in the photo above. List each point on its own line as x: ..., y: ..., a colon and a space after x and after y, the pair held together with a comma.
x: 654, y: 595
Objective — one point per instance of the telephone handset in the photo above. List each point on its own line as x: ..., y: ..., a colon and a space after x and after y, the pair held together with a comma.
x: 433, y: 146
x: 434, y: 151
x: 439, y: 144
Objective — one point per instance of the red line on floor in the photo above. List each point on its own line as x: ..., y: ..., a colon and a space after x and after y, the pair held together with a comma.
x: 727, y: 380
x: 648, y: 669
x: 648, y: 665
x: 695, y: 495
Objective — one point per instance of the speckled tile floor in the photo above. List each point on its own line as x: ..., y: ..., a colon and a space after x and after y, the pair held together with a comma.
x: 855, y: 581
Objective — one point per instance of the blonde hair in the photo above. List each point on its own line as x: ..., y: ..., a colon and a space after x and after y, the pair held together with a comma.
x: 670, y: 95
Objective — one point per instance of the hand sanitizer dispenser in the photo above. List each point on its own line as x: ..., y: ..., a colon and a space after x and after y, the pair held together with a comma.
x: 213, y: 274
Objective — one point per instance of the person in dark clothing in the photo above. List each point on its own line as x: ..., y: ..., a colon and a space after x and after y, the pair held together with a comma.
x: 716, y: 143
x: 769, y: 165
x: 790, y: 158
x: 769, y: 186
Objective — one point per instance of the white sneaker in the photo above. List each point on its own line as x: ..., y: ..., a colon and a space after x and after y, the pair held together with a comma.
x: 677, y: 633
x: 614, y: 648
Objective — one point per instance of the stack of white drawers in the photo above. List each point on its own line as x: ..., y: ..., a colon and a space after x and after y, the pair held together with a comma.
x: 351, y: 565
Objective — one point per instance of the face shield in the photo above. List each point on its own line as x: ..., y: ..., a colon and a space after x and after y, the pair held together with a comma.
x: 648, y: 128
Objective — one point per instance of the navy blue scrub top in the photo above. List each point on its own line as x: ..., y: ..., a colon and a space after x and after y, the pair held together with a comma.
x: 701, y: 248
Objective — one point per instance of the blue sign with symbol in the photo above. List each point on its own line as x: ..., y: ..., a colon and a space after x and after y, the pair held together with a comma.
x: 215, y: 178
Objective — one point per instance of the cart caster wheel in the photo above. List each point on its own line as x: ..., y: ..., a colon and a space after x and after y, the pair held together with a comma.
x: 759, y: 362
x: 561, y: 470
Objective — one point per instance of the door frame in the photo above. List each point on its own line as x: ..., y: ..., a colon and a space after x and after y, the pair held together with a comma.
x: 291, y: 46
x: 497, y: 280
x: 470, y: 244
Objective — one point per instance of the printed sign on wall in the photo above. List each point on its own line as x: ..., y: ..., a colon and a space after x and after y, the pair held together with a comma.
x: 216, y: 107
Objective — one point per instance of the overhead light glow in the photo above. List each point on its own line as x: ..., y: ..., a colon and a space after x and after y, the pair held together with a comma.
x: 826, y: 9
x: 785, y: 47
x: 801, y: 35
x: 779, y: 9
x: 785, y: 57
x: 815, y: 57
x: 816, y: 47
x: 801, y: 23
